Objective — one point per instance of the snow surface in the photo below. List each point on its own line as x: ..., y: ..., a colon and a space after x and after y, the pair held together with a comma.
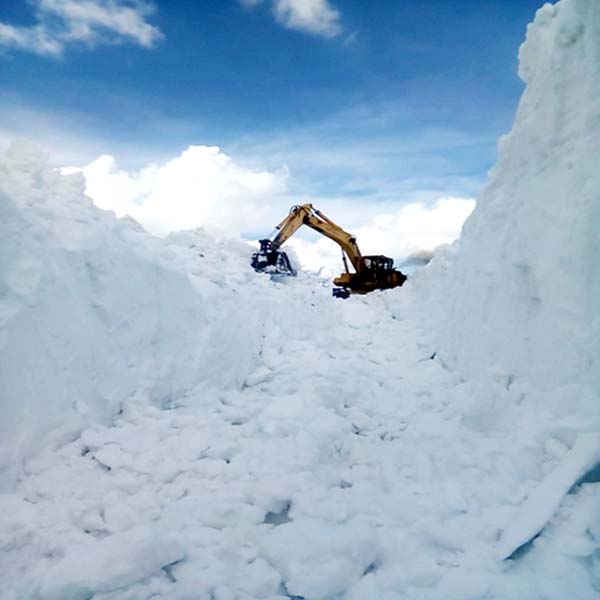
x: 176, y: 426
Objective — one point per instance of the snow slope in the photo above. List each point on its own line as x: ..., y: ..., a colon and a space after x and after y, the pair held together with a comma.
x: 176, y: 426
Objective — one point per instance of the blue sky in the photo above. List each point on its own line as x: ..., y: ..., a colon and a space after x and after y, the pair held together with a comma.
x: 386, y: 101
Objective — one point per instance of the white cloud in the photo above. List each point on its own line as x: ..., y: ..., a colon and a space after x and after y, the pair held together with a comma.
x: 417, y: 226
x: 89, y: 22
x: 317, y: 17
x: 312, y: 16
x: 205, y: 187
x: 385, y: 190
x: 201, y: 187
x: 35, y: 39
x: 413, y: 228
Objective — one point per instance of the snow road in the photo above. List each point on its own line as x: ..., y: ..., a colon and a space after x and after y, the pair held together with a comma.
x: 343, y: 467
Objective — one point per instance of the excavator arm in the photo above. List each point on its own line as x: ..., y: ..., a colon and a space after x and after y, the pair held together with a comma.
x: 371, y: 272
x: 306, y: 214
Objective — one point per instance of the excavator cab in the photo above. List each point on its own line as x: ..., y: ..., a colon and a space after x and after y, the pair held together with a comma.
x: 269, y: 259
x: 373, y: 272
x: 378, y: 263
x: 380, y: 269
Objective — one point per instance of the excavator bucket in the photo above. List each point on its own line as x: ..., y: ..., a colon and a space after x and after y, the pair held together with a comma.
x: 271, y: 260
x: 340, y: 292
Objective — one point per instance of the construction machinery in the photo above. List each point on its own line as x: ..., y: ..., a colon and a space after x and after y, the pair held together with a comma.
x: 373, y: 272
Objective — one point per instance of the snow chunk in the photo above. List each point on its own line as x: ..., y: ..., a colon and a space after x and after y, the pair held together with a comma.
x: 543, y: 502
x: 109, y: 564
x: 113, y: 457
x: 320, y: 560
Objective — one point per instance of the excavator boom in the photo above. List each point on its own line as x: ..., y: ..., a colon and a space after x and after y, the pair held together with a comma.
x: 370, y: 272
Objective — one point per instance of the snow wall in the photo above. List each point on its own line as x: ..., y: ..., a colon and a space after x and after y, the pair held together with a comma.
x: 518, y: 296
x: 94, y: 310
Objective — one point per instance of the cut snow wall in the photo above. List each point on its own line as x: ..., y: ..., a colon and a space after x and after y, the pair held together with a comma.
x: 93, y: 310
x: 519, y: 295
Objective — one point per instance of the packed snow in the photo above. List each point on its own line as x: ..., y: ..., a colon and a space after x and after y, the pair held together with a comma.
x: 176, y: 426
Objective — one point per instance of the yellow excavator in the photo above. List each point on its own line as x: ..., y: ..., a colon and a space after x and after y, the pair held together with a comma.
x: 373, y: 272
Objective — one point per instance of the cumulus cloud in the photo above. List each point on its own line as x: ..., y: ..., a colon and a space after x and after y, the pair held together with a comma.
x: 205, y: 187
x: 201, y: 187
x: 414, y: 229
x: 417, y: 226
x: 317, y: 17
x: 91, y: 22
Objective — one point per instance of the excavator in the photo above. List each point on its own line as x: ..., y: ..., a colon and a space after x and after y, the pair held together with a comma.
x: 373, y: 272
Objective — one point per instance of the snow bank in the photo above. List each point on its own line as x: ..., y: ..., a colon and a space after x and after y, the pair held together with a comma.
x: 519, y: 297
x: 94, y: 310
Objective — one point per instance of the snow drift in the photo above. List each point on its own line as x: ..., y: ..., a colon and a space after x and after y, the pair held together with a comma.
x: 519, y: 296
